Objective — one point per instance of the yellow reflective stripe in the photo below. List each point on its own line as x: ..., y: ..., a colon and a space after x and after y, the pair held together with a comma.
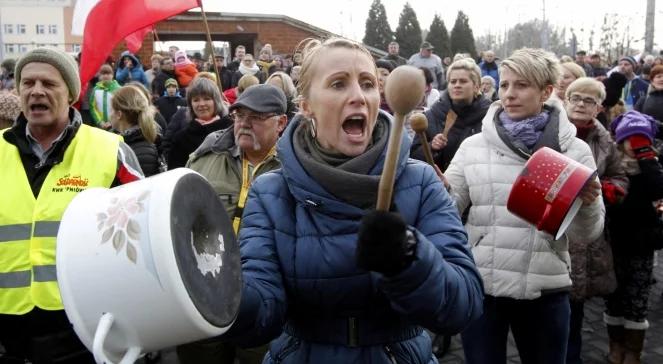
x: 46, y: 229
x: 45, y: 273
x: 246, y: 185
x: 15, y: 279
x: 15, y: 232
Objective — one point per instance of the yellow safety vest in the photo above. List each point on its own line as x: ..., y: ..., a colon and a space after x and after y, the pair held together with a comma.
x: 29, y: 226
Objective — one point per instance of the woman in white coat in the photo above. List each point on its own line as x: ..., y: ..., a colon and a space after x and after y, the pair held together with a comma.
x: 525, y: 271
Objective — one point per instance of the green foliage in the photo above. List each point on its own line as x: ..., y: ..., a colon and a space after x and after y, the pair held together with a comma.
x: 462, y: 38
x: 408, y: 33
x: 438, y: 36
x: 378, y: 32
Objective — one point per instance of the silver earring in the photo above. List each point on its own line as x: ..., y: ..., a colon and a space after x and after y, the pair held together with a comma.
x: 313, y: 128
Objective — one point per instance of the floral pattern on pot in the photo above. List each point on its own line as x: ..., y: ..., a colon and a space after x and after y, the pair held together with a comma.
x: 119, y: 225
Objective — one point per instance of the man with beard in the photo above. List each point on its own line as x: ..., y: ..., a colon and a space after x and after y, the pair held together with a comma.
x: 231, y: 159
x: 46, y: 159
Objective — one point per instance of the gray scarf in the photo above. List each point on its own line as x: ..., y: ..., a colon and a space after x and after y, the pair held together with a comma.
x: 346, y: 178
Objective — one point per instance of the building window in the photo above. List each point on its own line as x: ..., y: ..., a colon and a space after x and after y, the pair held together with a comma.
x: 23, y: 48
x: 40, y: 29
x: 9, y: 28
x: 9, y: 48
x: 20, y: 28
x: 52, y: 29
x: 76, y: 48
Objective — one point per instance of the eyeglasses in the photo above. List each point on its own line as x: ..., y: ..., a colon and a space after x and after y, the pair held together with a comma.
x: 250, y: 117
x: 588, y: 101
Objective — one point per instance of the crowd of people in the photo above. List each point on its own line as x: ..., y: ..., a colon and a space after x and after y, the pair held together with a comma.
x: 295, y: 146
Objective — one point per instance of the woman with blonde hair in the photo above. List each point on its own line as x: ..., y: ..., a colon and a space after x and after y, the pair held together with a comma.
x: 570, y: 72
x: 525, y: 271
x: 327, y: 278
x: 281, y: 80
x: 133, y: 118
x: 463, y: 98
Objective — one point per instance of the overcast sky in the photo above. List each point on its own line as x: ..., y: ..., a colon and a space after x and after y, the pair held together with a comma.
x: 348, y: 17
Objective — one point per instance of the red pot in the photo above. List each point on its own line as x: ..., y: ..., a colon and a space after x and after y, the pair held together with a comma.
x: 545, y: 193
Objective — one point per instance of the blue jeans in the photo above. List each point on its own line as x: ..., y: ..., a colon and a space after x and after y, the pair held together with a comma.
x: 540, y: 328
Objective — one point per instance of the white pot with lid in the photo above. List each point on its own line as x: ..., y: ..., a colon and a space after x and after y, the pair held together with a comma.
x: 148, y: 265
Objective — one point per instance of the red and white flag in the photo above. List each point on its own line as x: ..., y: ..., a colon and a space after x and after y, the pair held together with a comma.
x: 105, y: 23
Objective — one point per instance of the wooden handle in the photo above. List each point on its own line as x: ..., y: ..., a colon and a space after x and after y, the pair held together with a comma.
x: 404, y: 89
x: 449, y: 123
x: 419, y: 124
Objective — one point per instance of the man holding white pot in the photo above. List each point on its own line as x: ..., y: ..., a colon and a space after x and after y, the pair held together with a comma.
x: 46, y: 158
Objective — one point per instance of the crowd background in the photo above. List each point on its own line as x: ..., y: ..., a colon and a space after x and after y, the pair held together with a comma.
x: 166, y: 110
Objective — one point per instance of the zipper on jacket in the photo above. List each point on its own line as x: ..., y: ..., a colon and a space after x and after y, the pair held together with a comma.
x: 287, y: 351
x: 390, y: 354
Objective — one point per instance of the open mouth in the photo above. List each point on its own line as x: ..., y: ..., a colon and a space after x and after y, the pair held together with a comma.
x: 39, y: 107
x: 355, y: 126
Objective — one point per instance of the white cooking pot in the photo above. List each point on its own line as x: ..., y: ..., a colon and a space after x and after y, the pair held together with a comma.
x: 148, y: 265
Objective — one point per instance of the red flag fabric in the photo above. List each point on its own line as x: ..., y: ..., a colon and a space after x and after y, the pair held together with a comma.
x: 121, y: 18
x: 135, y: 39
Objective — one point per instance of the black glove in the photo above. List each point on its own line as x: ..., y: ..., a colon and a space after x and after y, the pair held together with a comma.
x: 384, y: 244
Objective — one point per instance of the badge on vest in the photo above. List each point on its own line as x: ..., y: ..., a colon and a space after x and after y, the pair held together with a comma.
x: 69, y: 183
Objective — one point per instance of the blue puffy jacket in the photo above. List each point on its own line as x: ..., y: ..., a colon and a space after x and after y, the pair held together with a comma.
x: 125, y: 75
x: 301, y: 280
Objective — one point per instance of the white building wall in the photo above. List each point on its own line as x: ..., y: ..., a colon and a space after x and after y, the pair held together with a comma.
x: 35, y: 24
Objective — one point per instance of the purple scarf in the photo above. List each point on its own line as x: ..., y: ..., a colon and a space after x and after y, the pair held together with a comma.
x: 528, y: 130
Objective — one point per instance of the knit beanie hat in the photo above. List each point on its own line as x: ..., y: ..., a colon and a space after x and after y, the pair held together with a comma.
x: 10, y: 107
x: 171, y: 82
x: 63, y: 62
x: 655, y: 71
x: 629, y: 59
x: 633, y: 123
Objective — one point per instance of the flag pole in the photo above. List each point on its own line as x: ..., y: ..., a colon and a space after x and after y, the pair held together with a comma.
x: 211, y: 46
x: 156, y: 37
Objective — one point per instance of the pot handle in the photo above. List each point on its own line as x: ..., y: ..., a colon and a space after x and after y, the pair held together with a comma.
x: 103, y: 327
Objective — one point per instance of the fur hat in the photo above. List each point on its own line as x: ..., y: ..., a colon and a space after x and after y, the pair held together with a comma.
x: 63, y: 62
x: 10, y: 107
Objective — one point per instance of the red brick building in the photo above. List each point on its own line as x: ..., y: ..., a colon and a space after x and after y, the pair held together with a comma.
x: 251, y: 30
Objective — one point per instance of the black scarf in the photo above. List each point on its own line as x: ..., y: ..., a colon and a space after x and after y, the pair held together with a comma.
x: 346, y: 178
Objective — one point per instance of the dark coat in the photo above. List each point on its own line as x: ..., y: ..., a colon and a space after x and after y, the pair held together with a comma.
x: 159, y: 82
x: 168, y: 106
x: 652, y: 104
x: 188, y: 138
x: 592, y: 270
x: 636, y: 228
x: 237, y: 75
x: 298, y: 246
x: 467, y: 124
x: 146, y: 152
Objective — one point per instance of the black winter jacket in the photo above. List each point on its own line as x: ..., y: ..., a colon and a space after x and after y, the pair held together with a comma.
x: 168, y: 105
x: 468, y: 123
x: 652, y: 105
x: 146, y: 152
x: 635, y: 227
x: 188, y: 138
